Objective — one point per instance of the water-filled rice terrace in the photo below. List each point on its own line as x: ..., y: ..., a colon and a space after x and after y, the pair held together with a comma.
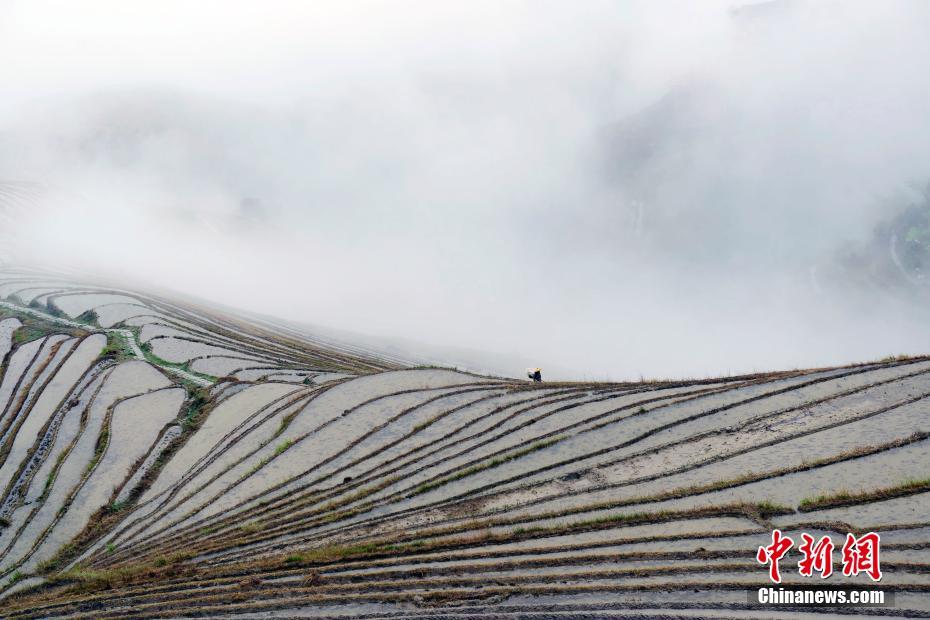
x: 159, y: 459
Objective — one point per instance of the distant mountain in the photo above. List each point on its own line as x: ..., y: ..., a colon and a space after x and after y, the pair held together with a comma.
x: 895, y: 257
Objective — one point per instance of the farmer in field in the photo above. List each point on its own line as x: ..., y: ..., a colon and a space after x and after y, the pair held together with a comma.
x: 535, y: 374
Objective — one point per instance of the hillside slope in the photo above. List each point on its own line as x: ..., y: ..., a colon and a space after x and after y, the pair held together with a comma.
x: 163, y: 460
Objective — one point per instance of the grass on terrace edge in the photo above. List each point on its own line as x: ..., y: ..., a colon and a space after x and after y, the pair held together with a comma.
x: 34, y: 328
x: 474, y: 469
x: 151, y: 358
x: 849, y: 498
x: 760, y: 510
x: 719, y: 485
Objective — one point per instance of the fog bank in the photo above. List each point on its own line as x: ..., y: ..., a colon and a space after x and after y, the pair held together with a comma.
x: 612, y: 190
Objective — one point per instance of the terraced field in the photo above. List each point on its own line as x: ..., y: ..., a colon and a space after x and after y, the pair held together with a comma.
x: 164, y: 460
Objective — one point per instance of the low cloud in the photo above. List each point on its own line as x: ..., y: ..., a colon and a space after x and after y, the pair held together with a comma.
x: 608, y: 190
